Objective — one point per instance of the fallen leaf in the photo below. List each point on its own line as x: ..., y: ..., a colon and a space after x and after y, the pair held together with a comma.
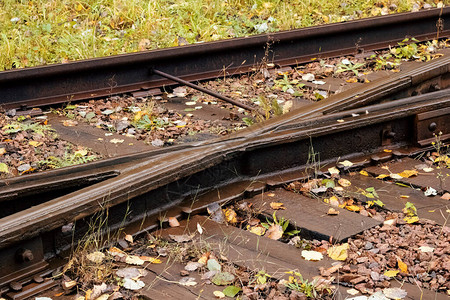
x: 271, y: 195
x: 223, y: 278
x: 96, y: 257
x: 353, y: 207
x: 312, y: 255
x: 231, y: 291
x: 338, y: 252
x: 344, y: 182
x: 395, y: 293
x: 35, y: 143
x: 427, y: 170
x: 70, y: 123
x: 134, y: 260
x: 362, y: 172
x: 213, y: 265
x: 116, y: 141
x: 404, y: 196
x: 332, y: 212
x: 219, y: 294
x: 192, y: 266
x: 181, y: 238
x: 387, y: 150
x: 81, y: 152
x: 402, y: 266
x: 446, y: 196
x: 412, y: 219
x: 173, y: 222
x: 4, y: 168
x: 129, y: 238
x: 199, y: 228
x: 395, y: 176
x: 334, y: 201
x: 150, y: 259
x: 68, y: 284
x: 430, y: 192
x: 204, y: 258
x: 333, y: 170
x: 346, y: 163
x: 391, y: 273
x: 131, y: 272
x: 2, y: 151
x: 187, y: 281
x: 258, y: 229
x: 408, y: 173
x: 382, y: 176
x: 116, y: 251
x: 230, y: 216
x: 275, y: 232
x: 277, y: 205
x: 426, y: 249
x: 133, y: 285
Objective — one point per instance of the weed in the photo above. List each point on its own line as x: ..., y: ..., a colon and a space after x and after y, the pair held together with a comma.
x: 261, y: 277
x: 285, y: 84
x: 69, y: 159
x: 442, y: 161
x: 29, y: 127
x: 284, y: 223
x: 311, y: 289
x: 349, y: 67
x: 270, y: 108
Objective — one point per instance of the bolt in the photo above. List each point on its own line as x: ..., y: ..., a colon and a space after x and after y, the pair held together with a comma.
x: 25, y: 255
x: 432, y: 127
x: 15, y: 286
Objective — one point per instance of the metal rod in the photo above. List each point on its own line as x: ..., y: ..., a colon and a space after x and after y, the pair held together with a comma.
x: 199, y: 88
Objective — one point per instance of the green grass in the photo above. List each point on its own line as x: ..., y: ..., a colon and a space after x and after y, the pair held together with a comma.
x: 46, y: 32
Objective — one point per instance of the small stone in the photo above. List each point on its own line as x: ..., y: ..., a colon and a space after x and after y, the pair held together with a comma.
x: 375, y: 276
x: 368, y: 246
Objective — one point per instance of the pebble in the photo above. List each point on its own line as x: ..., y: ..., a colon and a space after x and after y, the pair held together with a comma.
x: 368, y: 246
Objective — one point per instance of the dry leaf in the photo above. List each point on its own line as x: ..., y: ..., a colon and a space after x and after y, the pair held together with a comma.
x: 391, y: 273
x: 404, y: 196
x: 187, y: 281
x: 150, y: 259
x: 387, y: 150
x: 116, y: 141
x: 312, y: 255
x: 230, y: 216
x: 70, y: 123
x: 395, y: 293
x: 402, y: 266
x: 362, y: 172
x: 134, y: 260
x: 408, y: 173
x: 334, y: 201
x: 219, y: 294
x: 133, y: 285
x: 427, y: 170
x: 411, y: 220
x: 426, y: 249
x: 277, y: 205
x: 332, y: 212
x: 2, y: 151
x: 96, y: 257
x: 338, y: 252
x: 173, y: 222
x: 344, y: 182
x: 346, y: 163
x: 204, y: 259
x: 116, y: 252
x: 35, y: 143
x: 131, y: 272
x: 353, y: 207
x: 271, y: 195
x: 333, y: 170
x: 258, y: 229
x: 181, y: 238
x: 352, y: 292
x: 129, y: 238
x: 395, y: 176
x: 275, y: 232
x: 199, y: 228
x: 352, y: 80
x: 446, y: 196
x: 382, y: 176
x: 4, y: 168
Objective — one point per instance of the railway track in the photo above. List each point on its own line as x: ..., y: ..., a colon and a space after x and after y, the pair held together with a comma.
x: 401, y: 113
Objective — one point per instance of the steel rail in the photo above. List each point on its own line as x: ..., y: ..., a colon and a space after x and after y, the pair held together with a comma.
x: 40, y: 86
x: 254, y: 156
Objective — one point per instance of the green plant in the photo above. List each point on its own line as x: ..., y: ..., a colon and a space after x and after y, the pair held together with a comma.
x: 69, y: 159
x: 269, y: 107
x: 349, y: 67
x: 285, y: 84
x: 152, y: 122
x: 372, y: 194
x: 284, y: 223
x: 442, y: 161
x: 408, y: 49
x: 261, y: 277
x: 26, y: 126
x: 312, y: 289
x: 248, y: 121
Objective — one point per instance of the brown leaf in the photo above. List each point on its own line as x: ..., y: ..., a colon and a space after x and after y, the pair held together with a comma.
x: 129, y: 238
x: 332, y: 212
x: 446, y: 196
x: 275, y: 232
x: 173, y: 222
x: 277, y: 205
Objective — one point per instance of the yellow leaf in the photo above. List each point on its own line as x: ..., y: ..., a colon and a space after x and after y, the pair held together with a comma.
x: 35, y: 143
x: 352, y: 80
x: 334, y: 201
x: 408, y: 173
x: 81, y: 152
x: 4, y: 168
x: 402, y: 266
x: 362, y: 172
x: 2, y: 151
x: 381, y: 176
x: 391, y: 273
x: 152, y: 260
x: 411, y: 220
x: 230, y: 216
x: 353, y: 208
x: 346, y: 163
x: 271, y: 195
x: 333, y: 170
x: 258, y: 229
x: 344, y: 182
x: 79, y: 7
x: 404, y: 196
x: 277, y: 205
x: 338, y: 252
x: 332, y: 212
x: 387, y: 150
